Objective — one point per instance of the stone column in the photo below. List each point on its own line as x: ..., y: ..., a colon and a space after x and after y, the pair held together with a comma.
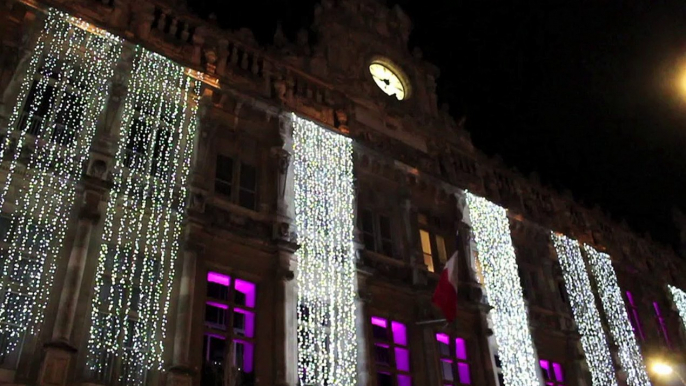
x: 180, y: 372
x: 286, y: 320
x: 286, y: 290
x: 361, y: 301
x: 69, y: 298
x: 59, y: 352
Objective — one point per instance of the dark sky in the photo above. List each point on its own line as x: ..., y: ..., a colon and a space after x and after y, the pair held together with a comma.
x: 581, y: 92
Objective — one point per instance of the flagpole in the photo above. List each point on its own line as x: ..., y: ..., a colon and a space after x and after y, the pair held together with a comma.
x: 435, y: 321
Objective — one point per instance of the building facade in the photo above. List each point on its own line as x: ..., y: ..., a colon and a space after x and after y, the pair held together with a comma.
x: 183, y: 206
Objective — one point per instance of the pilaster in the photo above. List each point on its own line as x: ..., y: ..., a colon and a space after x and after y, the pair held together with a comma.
x: 60, y: 350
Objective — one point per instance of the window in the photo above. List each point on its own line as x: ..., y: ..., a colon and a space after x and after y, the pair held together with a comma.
x: 432, y: 242
x: 150, y: 139
x: 55, y: 106
x: 391, y: 353
x: 634, y: 317
x: 455, y: 366
x: 125, y: 289
x: 229, y: 338
x: 553, y: 373
x: 376, y: 233
x: 661, y: 325
x: 236, y: 181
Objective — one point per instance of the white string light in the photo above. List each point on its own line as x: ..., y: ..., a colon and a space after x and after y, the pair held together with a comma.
x: 326, y: 272
x: 679, y: 298
x: 55, y: 124
x: 144, y: 218
x: 586, y: 315
x: 504, y: 292
x: 615, y: 311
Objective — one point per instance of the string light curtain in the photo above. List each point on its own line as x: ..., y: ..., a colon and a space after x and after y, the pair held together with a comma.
x: 496, y: 255
x: 630, y: 356
x: 44, y: 150
x: 679, y: 298
x: 143, y: 219
x: 586, y: 315
x: 326, y: 275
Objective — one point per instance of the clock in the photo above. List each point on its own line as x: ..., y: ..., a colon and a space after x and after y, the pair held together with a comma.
x: 389, y: 81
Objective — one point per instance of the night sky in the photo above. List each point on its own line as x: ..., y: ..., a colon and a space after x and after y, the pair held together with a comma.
x: 581, y: 92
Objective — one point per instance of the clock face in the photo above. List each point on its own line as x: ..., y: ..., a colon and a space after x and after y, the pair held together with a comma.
x: 387, y: 80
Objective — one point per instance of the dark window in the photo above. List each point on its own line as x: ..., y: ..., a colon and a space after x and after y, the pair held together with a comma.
x: 224, y: 176
x: 247, y: 196
x: 236, y: 181
x: 377, y: 234
x: 391, y: 353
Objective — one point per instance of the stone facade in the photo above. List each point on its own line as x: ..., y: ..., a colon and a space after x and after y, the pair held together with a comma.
x: 413, y: 162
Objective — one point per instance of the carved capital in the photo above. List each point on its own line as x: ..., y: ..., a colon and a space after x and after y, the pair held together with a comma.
x: 283, y: 158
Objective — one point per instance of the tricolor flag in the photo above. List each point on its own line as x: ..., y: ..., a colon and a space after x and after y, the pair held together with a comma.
x: 445, y: 295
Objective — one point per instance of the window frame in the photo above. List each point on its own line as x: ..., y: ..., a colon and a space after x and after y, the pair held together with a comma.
x: 461, y: 362
x: 228, y: 334
x: 376, y: 232
x: 395, y: 342
x: 436, y: 256
x: 550, y: 373
x: 237, y: 165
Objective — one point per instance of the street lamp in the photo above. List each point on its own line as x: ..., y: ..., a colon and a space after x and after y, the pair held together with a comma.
x: 664, y: 369
x: 661, y: 368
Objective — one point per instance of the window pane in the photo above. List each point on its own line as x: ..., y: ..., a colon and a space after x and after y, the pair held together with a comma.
x: 440, y: 246
x: 463, y: 373
x: 443, y: 344
x: 224, y: 170
x: 243, y: 322
x: 222, y: 188
x: 447, y: 369
x: 247, y: 200
x: 426, y: 241
x: 460, y: 349
x: 218, y: 286
x: 247, y: 196
x: 385, y: 227
x: 380, y: 333
x: 399, y: 333
x: 5, y: 227
x: 404, y: 380
x: 402, y: 359
x: 215, y: 315
x: 429, y: 261
x: 245, y: 293
x: 382, y: 354
x: 384, y: 379
x: 559, y: 373
x: 248, y: 177
x: 213, y: 361
x: 243, y: 356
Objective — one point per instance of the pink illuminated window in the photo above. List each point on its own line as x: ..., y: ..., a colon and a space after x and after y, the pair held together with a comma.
x: 229, y: 329
x: 454, y: 361
x: 634, y: 317
x: 661, y: 325
x: 553, y: 373
x: 391, y: 353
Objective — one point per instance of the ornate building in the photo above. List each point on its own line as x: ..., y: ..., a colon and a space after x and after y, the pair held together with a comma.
x: 183, y: 206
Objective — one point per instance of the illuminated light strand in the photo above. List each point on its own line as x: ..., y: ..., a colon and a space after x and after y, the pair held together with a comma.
x: 586, y: 315
x: 143, y: 223
x: 326, y: 274
x: 679, y: 298
x: 622, y: 333
x: 496, y: 254
x: 76, y: 65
